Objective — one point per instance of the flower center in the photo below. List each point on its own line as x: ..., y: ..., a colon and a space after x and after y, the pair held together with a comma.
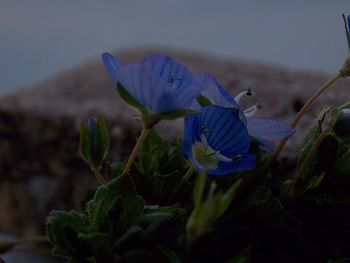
x: 205, y: 156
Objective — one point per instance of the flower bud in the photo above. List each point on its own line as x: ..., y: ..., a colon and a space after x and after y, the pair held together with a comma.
x: 91, y: 123
x: 342, y: 125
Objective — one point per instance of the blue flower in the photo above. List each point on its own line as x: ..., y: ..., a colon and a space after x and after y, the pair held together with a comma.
x: 261, y: 129
x: 158, y: 82
x: 217, y: 140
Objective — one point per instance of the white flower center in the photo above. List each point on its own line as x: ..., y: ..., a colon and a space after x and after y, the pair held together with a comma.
x: 205, y: 156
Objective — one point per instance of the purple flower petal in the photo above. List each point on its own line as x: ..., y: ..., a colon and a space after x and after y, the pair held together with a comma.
x: 268, y: 129
x: 246, y: 163
x: 224, y: 134
x: 191, y: 134
x: 112, y: 64
x: 214, y: 92
x: 169, y: 70
x: 147, y: 88
x: 158, y: 82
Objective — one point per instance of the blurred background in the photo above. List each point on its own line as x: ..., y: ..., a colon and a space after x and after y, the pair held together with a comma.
x: 52, y: 78
x: 39, y: 37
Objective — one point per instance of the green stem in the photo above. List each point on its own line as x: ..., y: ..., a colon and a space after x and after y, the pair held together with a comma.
x: 184, y: 179
x: 304, y: 109
x: 136, y: 149
x: 289, y: 188
x: 198, y: 190
x: 100, y: 179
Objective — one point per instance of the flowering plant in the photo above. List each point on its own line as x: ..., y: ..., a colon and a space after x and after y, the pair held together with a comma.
x: 215, y: 195
x: 172, y: 200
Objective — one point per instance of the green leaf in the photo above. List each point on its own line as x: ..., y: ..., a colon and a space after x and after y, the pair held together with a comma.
x: 203, y: 101
x: 207, y: 212
x: 152, y: 151
x: 243, y: 257
x: 328, y: 154
x: 150, y: 222
x: 227, y: 198
x: 266, y: 211
x: 106, y: 198
x: 63, y: 230
x: 102, y: 142
x: 127, y: 239
x: 199, y: 188
x: 160, y: 165
x: 85, y: 144
x: 94, y: 145
x: 312, y: 135
x: 129, y: 99
x: 101, y: 245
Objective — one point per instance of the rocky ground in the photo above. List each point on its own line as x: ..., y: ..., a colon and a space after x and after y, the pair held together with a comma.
x: 39, y: 164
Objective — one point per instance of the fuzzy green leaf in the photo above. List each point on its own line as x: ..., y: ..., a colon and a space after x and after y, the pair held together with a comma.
x: 199, y: 188
x: 101, y: 245
x: 63, y: 230
x: 312, y: 135
x: 207, y: 212
x: 101, y: 137
x: 160, y: 165
x: 94, y: 145
x: 106, y: 199
x: 86, y: 141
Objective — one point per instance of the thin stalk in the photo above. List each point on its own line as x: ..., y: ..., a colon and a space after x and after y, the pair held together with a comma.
x: 184, y: 179
x: 198, y: 190
x: 289, y: 188
x: 136, y: 149
x: 304, y: 109
x: 99, y: 177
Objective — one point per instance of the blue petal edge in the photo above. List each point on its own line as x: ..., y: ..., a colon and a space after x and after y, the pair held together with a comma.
x: 247, y: 163
x: 147, y: 87
x: 112, y: 64
x: 268, y: 129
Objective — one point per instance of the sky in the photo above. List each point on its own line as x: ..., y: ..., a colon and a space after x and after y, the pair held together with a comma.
x: 39, y: 38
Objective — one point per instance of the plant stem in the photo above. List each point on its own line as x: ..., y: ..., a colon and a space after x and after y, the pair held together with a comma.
x: 184, y: 179
x: 136, y: 149
x: 100, y: 179
x: 289, y: 188
x: 304, y: 109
